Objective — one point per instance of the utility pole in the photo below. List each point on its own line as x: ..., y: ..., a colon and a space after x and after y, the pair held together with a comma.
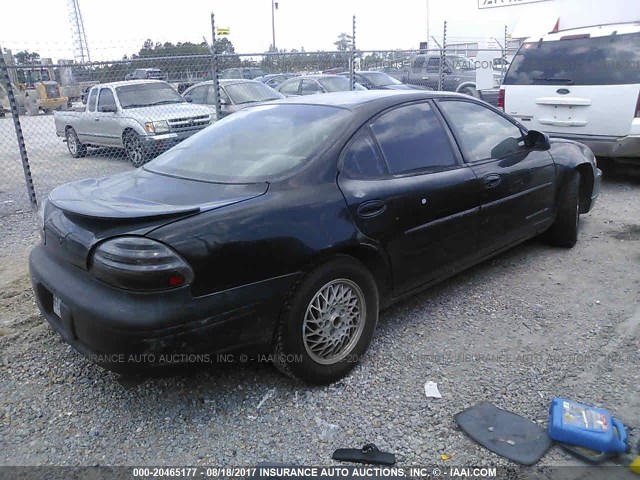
x: 274, y: 7
x: 428, y: 29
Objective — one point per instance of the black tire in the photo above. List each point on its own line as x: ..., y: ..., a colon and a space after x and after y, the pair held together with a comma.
x: 471, y: 91
x: 76, y: 149
x: 134, y: 149
x: 564, y: 230
x: 296, y: 346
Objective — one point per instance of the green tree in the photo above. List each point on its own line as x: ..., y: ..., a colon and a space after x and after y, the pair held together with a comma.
x: 27, y: 58
x: 343, y: 44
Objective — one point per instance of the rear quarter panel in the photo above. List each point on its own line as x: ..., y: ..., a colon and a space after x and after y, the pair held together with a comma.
x: 570, y: 156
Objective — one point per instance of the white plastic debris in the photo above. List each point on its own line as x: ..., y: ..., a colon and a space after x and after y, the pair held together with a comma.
x: 328, y: 431
x: 431, y: 390
x: 266, y: 397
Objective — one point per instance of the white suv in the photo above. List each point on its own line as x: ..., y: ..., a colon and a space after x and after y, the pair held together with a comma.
x: 582, y: 84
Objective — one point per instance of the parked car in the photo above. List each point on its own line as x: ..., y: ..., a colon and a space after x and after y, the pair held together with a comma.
x: 234, y: 94
x: 287, y: 226
x: 381, y: 81
x: 459, y: 74
x: 146, y: 74
x: 581, y: 84
x: 311, y: 84
x: 145, y: 117
x: 246, y: 73
x: 273, y: 80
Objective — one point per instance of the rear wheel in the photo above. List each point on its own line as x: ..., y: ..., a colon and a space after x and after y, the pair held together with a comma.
x: 564, y: 231
x: 471, y: 91
x: 76, y: 149
x: 328, y: 322
x: 134, y: 149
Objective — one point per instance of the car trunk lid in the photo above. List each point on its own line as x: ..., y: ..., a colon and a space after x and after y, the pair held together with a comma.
x: 80, y: 214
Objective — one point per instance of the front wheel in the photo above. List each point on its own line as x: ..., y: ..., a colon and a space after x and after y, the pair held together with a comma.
x: 134, y: 149
x: 76, y: 149
x: 564, y: 230
x: 327, y: 322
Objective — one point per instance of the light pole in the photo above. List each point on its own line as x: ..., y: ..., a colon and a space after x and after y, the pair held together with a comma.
x: 274, y: 7
x: 428, y: 30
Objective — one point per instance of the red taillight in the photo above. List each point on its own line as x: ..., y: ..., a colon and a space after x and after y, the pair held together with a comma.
x: 501, y: 96
x: 638, y: 107
x: 175, y: 281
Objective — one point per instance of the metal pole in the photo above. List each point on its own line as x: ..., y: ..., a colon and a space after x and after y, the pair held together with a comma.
x: 352, y: 67
x: 273, y: 24
x: 214, y: 69
x: 504, y: 55
x: 428, y: 29
x: 443, y: 57
x: 4, y: 78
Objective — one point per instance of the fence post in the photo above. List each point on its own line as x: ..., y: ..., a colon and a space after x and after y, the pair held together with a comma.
x: 4, y: 78
x: 214, y: 69
x: 504, y: 55
x: 443, y: 57
x: 352, y: 67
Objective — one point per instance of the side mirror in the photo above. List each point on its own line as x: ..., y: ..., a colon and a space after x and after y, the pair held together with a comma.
x: 537, y: 140
x: 223, y: 102
x: 108, y: 109
x: 188, y: 98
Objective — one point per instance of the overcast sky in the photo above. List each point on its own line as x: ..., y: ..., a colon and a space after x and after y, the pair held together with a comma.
x: 118, y: 27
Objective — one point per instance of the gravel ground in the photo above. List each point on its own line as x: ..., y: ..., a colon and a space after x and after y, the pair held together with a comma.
x: 49, y: 160
x: 541, y: 322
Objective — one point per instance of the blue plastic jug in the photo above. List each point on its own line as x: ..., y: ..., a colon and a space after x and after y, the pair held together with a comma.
x: 593, y: 428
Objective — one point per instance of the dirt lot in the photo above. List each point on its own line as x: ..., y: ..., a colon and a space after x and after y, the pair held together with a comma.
x: 534, y: 323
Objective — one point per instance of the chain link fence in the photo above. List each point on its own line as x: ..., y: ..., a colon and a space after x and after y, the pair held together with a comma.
x: 73, y: 131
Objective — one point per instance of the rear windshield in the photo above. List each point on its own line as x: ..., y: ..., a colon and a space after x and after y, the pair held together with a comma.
x: 255, y: 145
x: 147, y: 94
x: 241, y: 93
x: 610, y: 60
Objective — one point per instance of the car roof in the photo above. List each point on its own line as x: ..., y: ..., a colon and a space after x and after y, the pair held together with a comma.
x: 593, y: 31
x: 316, y: 76
x: 226, y: 82
x: 129, y: 82
x: 361, y: 99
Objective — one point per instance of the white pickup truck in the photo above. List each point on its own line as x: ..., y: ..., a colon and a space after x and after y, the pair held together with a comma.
x: 145, y: 117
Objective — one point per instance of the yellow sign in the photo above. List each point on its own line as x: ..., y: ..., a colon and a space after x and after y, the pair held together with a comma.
x: 223, y: 31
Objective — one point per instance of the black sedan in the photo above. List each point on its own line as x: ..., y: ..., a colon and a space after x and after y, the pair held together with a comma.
x: 288, y: 226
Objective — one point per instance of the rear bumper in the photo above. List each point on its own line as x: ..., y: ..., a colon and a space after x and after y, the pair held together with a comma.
x: 132, y: 332
x: 608, y: 146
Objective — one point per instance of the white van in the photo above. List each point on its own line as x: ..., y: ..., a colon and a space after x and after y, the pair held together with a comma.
x: 582, y: 84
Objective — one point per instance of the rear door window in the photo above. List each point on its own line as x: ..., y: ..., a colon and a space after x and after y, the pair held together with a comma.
x: 610, y: 60
x: 361, y: 158
x: 412, y: 139
x: 433, y: 63
x: 290, y: 88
